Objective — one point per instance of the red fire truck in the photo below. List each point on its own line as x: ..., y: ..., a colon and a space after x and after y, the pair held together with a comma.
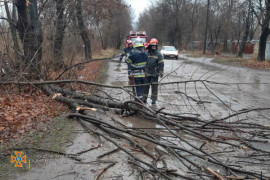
x: 133, y: 35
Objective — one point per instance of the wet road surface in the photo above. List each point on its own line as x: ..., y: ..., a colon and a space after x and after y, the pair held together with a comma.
x: 230, y: 91
x: 248, y: 89
x: 201, y: 99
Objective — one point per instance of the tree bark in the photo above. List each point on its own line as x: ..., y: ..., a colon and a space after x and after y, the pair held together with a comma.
x: 30, y: 32
x: 12, y: 18
x: 225, y: 44
x: 105, y: 43
x: 59, y: 34
x: 177, y: 25
x: 83, y: 32
x: 206, y: 27
x: 119, y: 41
x: 265, y: 32
x: 262, y: 44
x: 246, y: 33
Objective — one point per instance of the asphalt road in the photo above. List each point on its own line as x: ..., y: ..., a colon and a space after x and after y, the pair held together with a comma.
x: 243, y: 89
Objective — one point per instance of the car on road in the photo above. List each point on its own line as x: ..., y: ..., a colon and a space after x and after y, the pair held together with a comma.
x: 169, y: 52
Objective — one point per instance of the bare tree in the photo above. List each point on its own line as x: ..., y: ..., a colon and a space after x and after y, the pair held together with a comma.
x: 12, y: 19
x: 192, y: 17
x: 206, y: 27
x: 97, y: 19
x: 226, y: 21
x: 60, y: 24
x: 83, y: 31
x: 247, y: 30
x: 48, y: 47
x: 176, y: 7
x: 262, y: 12
x: 118, y: 26
x: 30, y: 32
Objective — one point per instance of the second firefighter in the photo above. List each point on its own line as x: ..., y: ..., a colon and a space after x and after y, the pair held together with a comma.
x: 153, y: 70
x: 137, y: 61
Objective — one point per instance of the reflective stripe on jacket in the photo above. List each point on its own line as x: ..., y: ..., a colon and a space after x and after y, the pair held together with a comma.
x: 154, y: 64
x: 137, y: 60
x: 138, y: 73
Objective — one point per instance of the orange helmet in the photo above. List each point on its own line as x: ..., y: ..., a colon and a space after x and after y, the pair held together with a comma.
x: 129, y: 42
x: 153, y: 42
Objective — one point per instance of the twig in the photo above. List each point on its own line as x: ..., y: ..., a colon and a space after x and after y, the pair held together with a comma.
x: 73, y: 172
x: 136, y: 164
x: 236, y: 114
x: 92, y: 148
x: 237, y: 178
x: 98, y: 162
x: 103, y: 170
x: 79, y: 64
x: 108, y: 153
x: 215, y: 174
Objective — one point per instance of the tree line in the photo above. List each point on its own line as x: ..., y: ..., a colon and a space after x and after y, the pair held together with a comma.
x: 49, y: 34
x: 180, y: 22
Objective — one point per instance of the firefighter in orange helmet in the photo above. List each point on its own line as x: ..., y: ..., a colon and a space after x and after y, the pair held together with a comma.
x: 153, y: 70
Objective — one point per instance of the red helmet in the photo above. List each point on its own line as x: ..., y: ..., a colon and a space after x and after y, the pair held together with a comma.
x: 129, y: 42
x: 153, y: 42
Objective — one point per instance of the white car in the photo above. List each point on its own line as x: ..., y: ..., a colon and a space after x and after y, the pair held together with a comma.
x: 169, y: 52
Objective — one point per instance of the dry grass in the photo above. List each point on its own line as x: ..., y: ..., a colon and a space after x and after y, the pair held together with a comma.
x: 241, y: 62
x: 227, y: 59
x: 21, y: 110
x: 105, y: 53
x: 198, y: 54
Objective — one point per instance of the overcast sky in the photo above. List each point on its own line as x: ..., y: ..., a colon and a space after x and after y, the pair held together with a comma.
x: 138, y: 6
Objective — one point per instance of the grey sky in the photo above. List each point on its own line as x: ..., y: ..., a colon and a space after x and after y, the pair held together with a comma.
x: 138, y: 6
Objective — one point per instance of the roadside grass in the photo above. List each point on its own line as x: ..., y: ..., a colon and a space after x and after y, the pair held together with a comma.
x: 106, y: 53
x: 102, y: 73
x: 93, y: 71
x: 230, y: 60
x: 198, y: 54
x: 55, y: 135
x: 109, y: 53
x: 242, y: 62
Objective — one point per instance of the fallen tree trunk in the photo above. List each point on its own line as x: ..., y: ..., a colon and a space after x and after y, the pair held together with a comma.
x: 177, y: 135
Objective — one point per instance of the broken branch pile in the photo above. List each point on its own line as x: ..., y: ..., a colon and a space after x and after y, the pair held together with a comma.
x: 216, y: 148
x: 201, y: 149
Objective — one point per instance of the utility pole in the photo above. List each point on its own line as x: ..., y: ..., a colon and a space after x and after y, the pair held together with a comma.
x: 206, y: 26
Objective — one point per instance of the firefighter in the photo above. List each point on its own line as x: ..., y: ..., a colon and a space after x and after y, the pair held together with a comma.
x: 126, y: 53
x: 137, y: 60
x: 153, y: 70
x: 127, y: 50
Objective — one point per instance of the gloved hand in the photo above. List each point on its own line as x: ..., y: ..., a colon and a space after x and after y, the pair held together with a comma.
x: 161, y: 74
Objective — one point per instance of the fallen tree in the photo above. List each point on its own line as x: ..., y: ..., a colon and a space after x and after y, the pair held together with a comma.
x: 233, y: 141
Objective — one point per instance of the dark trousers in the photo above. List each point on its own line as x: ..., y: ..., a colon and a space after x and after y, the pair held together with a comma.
x: 154, y: 87
x: 139, y: 89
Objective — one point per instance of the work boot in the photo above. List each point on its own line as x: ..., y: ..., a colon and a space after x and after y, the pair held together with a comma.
x: 143, y: 99
x: 154, y: 101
